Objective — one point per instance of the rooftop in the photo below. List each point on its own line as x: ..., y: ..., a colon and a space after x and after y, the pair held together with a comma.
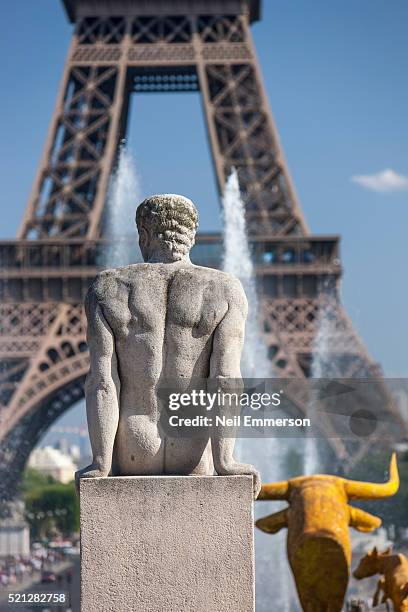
x: 49, y: 457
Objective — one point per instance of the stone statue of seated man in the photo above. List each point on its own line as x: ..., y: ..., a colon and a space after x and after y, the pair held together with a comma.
x: 163, y: 319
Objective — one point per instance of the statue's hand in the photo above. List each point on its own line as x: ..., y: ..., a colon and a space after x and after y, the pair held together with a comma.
x: 240, y: 469
x: 90, y: 471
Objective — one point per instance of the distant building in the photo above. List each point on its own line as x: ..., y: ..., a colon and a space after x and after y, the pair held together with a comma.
x: 52, y: 462
x: 74, y: 452
x: 62, y: 445
x: 14, y: 539
x: 14, y: 532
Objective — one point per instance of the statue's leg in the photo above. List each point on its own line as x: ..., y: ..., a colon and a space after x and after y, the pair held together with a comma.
x: 380, y: 587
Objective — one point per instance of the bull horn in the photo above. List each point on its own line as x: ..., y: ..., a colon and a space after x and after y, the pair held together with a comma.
x: 274, y: 490
x: 371, y: 490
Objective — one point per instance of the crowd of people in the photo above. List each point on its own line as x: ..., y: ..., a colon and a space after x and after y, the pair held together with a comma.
x: 14, y: 570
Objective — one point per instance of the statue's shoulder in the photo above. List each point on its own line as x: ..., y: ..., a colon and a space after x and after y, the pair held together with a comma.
x: 216, y: 275
x: 108, y: 281
x: 229, y: 284
x: 102, y: 281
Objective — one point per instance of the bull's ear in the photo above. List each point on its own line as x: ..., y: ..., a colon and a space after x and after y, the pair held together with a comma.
x: 374, y: 552
x: 274, y: 522
x: 363, y: 521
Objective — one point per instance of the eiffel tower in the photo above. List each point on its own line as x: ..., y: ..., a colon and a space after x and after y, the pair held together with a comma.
x: 120, y: 48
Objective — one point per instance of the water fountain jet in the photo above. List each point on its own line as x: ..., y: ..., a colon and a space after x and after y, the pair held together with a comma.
x: 267, y: 454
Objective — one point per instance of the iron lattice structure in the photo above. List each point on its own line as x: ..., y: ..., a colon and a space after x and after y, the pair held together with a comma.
x: 155, y: 46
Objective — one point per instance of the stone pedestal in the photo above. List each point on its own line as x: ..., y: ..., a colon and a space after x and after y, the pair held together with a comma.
x: 167, y: 543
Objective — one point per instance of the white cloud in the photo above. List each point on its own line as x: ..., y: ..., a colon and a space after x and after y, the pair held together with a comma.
x: 385, y: 181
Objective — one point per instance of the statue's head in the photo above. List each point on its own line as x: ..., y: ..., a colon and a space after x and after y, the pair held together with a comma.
x: 167, y: 225
x: 368, y: 565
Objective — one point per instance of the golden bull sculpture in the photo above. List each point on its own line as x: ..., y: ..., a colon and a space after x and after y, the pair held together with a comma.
x: 393, y: 585
x: 318, y: 541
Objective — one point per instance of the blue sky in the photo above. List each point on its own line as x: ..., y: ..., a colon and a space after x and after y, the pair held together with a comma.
x: 335, y: 73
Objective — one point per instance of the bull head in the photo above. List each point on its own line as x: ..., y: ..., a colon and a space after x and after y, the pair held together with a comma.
x: 318, y: 541
x: 368, y: 565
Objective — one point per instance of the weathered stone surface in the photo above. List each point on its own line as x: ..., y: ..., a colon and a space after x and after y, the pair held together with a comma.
x: 167, y: 544
x: 150, y: 323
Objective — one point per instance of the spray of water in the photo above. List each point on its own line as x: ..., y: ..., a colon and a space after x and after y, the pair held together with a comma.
x: 237, y: 261
x: 274, y: 584
x: 124, y: 195
x: 320, y: 368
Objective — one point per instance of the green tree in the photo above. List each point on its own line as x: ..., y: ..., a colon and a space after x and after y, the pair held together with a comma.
x: 50, y: 506
x: 33, y: 480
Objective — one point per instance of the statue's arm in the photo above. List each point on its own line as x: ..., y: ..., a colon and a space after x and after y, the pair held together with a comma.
x: 102, y: 389
x: 225, y: 371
